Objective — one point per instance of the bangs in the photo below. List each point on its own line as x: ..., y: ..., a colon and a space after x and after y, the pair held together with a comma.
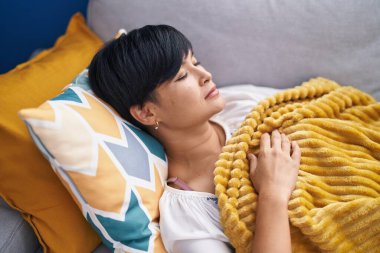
x: 160, y: 53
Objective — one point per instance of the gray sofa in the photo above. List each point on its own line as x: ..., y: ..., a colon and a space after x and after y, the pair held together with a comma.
x: 268, y: 43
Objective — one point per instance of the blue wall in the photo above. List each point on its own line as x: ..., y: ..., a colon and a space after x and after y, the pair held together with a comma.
x: 26, y: 25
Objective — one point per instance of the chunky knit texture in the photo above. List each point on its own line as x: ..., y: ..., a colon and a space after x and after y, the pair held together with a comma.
x: 335, y: 206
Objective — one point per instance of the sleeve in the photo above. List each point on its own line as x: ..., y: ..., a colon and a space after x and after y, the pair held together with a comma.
x: 202, y: 246
x: 240, y: 99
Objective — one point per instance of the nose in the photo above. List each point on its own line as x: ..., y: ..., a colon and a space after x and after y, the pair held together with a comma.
x: 205, y: 77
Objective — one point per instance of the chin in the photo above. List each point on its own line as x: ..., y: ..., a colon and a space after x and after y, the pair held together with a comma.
x: 220, y: 103
x: 215, y: 107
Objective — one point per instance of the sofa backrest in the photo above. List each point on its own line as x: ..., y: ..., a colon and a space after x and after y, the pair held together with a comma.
x: 273, y: 43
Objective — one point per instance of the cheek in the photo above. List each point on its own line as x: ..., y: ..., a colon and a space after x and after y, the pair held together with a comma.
x: 185, y: 98
x: 183, y: 107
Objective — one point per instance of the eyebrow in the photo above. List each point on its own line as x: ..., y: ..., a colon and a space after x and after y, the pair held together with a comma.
x: 184, y: 60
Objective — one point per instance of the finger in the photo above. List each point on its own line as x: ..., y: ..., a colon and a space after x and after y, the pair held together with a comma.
x: 285, y: 143
x: 252, y: 163
x: 296, y: 154
x: 276, y: 139
x: 264, y: 142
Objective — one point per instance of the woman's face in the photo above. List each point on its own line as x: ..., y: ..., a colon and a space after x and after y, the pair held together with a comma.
x: 190, y: 98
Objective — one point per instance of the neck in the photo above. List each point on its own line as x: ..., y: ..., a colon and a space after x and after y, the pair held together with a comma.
x: 191, y: 146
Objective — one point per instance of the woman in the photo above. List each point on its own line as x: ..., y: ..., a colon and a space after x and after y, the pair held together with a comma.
x: 153, y: 79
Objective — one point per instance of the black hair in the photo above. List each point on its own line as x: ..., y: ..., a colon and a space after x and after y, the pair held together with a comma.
x: 126, y: 71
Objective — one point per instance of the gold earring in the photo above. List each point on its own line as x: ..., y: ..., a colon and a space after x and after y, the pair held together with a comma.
x: 157, y: 125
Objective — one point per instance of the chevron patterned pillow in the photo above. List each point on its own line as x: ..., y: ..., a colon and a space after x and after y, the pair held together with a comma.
x: 114, y: 171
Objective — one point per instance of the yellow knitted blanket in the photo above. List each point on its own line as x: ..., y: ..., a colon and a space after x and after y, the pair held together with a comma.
x: 336, y: 204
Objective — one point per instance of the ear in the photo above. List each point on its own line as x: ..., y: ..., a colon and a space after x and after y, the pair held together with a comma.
x: 145, y: 114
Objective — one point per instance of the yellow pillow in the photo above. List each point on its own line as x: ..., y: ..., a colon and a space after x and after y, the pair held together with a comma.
x: 27, y: 183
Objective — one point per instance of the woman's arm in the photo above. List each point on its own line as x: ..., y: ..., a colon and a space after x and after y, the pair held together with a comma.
x: 272, y: 233
x: 274, y: 175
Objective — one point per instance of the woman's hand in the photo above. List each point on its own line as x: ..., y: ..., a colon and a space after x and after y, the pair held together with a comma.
x: 274, y: 172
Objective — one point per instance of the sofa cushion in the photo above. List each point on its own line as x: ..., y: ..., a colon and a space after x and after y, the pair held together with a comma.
x: 27, y: 182
x: 113, y: 170
x: 270, y: 43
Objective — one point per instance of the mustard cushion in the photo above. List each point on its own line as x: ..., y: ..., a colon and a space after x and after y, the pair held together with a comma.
x: 27, y: 182
x: 114, y: 170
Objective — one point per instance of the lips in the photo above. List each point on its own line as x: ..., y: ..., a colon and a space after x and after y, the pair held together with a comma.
x: 211, y: 91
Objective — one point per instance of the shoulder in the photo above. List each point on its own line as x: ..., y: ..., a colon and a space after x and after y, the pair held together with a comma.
x: 189, y: 215
x: 188, y: 210
x: 240, y: 100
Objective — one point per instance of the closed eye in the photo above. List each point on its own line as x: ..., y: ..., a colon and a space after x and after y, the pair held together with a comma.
x: 185, y: 75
